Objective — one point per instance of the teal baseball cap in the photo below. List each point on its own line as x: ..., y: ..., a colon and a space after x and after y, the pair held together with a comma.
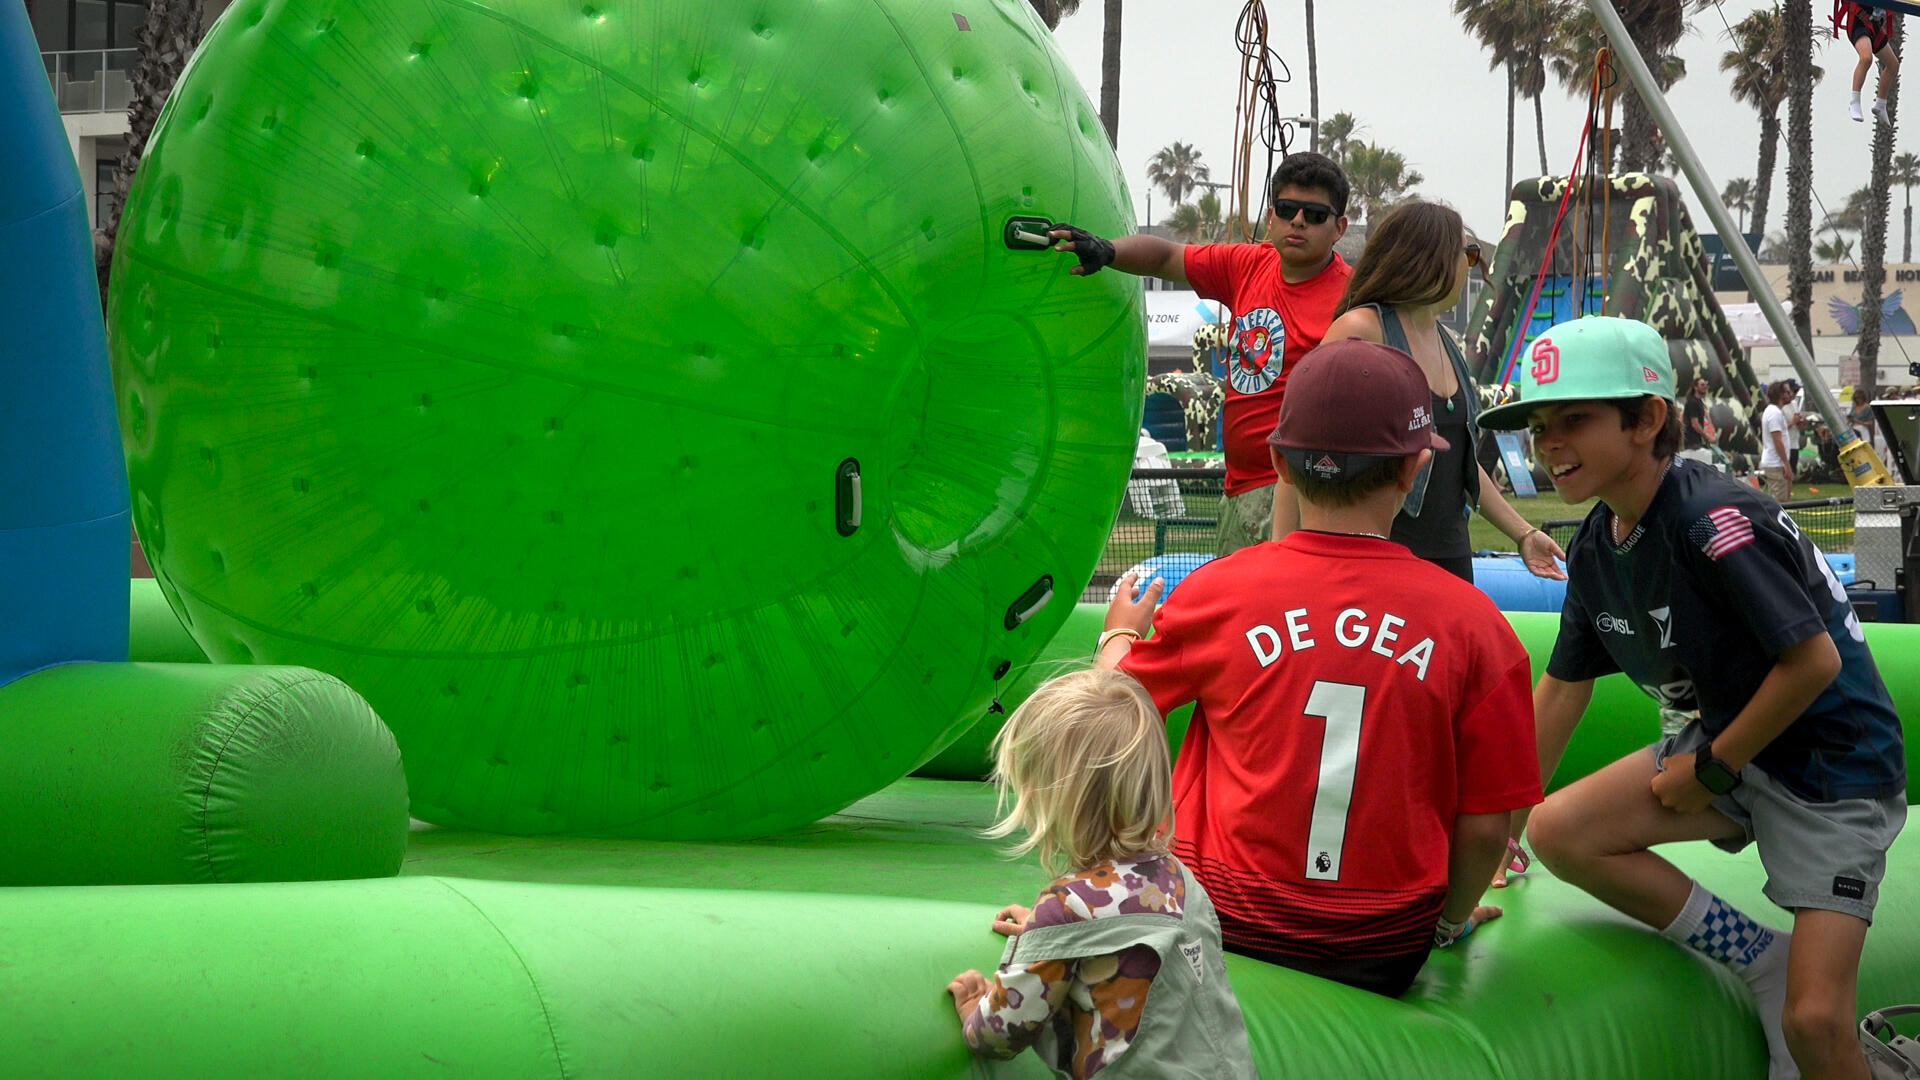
x: 1587, y: 359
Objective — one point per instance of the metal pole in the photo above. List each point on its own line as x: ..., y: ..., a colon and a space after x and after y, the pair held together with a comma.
x: 1863, y: 465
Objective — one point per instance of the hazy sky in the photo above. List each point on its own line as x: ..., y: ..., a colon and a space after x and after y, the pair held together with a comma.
x: 1420, y: 85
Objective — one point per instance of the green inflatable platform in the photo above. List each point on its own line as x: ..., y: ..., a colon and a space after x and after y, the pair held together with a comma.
x: 819, y: 953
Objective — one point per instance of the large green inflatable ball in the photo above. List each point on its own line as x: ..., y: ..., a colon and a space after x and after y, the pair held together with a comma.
x: 638, y: 402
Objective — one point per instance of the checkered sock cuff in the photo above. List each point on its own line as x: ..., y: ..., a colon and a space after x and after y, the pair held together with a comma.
x: 1727, y: 935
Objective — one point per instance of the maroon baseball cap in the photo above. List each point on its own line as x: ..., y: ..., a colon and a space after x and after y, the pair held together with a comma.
x: 1351, y: 404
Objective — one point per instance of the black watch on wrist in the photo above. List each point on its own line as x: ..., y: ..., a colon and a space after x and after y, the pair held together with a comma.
x: 1713, y: 774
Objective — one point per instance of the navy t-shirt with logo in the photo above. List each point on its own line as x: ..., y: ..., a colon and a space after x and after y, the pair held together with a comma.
x: 1697, y: 603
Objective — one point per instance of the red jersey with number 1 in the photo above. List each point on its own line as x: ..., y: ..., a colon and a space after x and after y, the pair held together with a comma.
x: 1274, y: 324
x: 1351, y: 700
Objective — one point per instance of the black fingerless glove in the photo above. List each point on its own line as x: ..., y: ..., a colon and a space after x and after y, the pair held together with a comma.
x: 1096, y: 253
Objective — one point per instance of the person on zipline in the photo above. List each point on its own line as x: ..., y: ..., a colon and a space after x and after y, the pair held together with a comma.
x: 1871, y: 31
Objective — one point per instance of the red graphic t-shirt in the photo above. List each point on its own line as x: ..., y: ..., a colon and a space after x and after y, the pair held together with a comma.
x: 1274, y: 324
x: 1351, y: 700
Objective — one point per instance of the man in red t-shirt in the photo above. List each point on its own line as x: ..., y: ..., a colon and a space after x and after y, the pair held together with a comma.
x: 1363, y: 724
x: 1282, y: 294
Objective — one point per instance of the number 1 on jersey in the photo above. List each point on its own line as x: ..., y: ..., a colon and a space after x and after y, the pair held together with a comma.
x: 1340, y: 705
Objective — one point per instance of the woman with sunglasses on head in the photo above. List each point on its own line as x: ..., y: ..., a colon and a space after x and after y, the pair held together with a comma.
x: 1413, y: 271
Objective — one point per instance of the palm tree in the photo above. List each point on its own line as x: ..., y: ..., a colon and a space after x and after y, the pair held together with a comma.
x: 1379, y: 178
x: 1338, y: 133
x: 1873, y: 238
x: 1640, y: 139
x: 1313, y: 82
x: 1052, y: 11
x: 1662, y: 27
x: 1538, y: 21
x: 1835, y: 249
x: 1854, y: 212
x: 1570, y: 50
x: 1838, y: 221
x: 1495, y: 24
x: 1738, y: 195
x: 169, y: 36
x: 1906, y: 173
x: 1110, y: 72
x: 1199, y: 221
x: 1758, y: 63
x: 1797, y: 22
x: 1176, y: 169
x: 1512, y: 32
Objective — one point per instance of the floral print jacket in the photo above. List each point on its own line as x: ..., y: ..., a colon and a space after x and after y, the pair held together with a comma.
x: 1103, y: 996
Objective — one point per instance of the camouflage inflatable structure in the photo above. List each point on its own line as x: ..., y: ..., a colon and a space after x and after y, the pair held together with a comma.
x: 1629, y: 250
x: 1196, y: 397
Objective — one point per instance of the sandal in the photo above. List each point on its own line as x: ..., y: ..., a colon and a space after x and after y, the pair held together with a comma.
x: 1520, y: 861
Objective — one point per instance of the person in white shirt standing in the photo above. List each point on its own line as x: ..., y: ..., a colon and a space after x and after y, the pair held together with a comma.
x: 1776, y: 463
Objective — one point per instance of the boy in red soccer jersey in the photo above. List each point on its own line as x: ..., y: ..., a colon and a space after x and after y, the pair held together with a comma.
x: 1708, y: 596
x: 1282, y: 294
x: 1363, y: 727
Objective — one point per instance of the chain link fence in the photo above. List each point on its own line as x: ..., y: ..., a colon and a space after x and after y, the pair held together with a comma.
x: 1174, y: 512
x: 1166, y: 512
x: 1827, y: 522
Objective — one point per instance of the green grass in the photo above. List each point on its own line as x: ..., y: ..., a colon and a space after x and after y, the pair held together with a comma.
x: 1832, y: 529
x: 1133, y: 538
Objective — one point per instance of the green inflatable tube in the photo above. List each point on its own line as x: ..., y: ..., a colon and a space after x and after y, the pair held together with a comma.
x: 123, y: 774
x: 154, y: 633
x: 1620, y: 720
x: 795, y: 975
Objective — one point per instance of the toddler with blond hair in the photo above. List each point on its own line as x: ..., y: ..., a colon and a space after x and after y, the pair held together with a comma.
x: 1084, y: 761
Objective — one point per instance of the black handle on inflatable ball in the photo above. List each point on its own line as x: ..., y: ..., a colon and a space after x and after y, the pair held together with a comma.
x: 1027, y: 233
x: 1030, y: 602
x: 846, y: 497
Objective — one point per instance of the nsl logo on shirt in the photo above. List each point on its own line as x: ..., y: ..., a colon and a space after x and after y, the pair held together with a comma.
x: 1613, y: 624
x: 1609, y: 623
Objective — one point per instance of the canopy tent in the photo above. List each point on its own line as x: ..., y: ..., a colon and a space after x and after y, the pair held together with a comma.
x: 1750, y: 326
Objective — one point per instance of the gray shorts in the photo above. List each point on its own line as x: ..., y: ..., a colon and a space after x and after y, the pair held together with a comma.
x: 1828, y: 855
x: 1246, y: 519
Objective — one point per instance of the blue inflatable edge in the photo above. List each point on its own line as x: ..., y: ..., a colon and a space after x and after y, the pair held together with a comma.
x: 64, y: 521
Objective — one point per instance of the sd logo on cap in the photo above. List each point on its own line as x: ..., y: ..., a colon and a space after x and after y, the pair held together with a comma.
x: 1587, y: 359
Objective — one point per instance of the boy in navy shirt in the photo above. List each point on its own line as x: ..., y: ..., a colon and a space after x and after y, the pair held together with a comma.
x: 1706, y: 594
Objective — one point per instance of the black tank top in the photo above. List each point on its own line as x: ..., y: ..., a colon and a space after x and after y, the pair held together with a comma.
x: 1440, y: 532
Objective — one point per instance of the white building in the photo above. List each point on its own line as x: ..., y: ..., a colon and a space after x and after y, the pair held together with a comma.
x: 89, y: 48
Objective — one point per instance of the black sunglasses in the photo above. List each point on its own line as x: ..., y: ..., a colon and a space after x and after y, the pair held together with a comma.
x: 1316, y: 213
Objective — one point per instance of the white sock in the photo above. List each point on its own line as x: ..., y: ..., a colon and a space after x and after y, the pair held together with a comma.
x: 1721, y: 932
x: 1856, y: 97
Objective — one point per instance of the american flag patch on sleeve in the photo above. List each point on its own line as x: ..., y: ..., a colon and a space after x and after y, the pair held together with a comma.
x: 1721, y: 531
